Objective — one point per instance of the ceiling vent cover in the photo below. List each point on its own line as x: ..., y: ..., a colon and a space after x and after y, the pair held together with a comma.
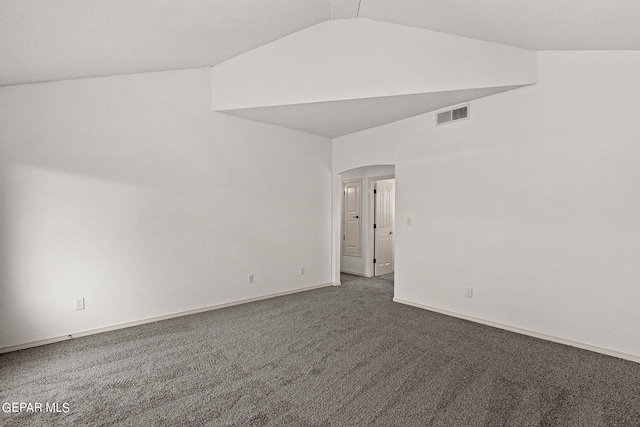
x: 452, y: 115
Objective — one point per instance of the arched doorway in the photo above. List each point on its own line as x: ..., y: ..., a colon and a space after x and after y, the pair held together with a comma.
x: 358, y: 211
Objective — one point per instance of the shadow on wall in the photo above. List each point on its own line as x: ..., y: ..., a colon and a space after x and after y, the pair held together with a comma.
x: 131, y: 251
x: 4, y: 249
x: 67, y: 236
x: 64, y: 237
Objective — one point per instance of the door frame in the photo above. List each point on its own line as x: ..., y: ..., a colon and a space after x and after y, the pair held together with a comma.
x: 369, y: 269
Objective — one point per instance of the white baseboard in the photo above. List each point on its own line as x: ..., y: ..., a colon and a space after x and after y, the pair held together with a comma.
x: 534, y: 334
x: 354, y: 273
x: 79, y: 334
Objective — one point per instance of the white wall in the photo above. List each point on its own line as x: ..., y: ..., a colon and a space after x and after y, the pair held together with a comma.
x: 534, y: 202
x: 128, y: 191
x: 362, y: 265
x: 349, y: 58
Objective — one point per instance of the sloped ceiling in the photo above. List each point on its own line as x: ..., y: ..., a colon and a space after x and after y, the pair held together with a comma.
x: 49, y: 40
x: 530, y: 24
x: 344, y: 76
x: 336, y: 118
x: 45, y: 40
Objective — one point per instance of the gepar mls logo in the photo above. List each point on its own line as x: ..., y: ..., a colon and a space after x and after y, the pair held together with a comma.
x: 30, y: 407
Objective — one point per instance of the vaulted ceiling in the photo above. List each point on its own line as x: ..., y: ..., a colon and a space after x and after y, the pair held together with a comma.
x: 530, y: 24
x: 50, y: 40
x: 347, y: 75
x: 45, y: 40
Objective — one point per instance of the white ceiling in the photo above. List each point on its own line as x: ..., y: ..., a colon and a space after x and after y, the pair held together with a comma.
x: 44, y: 40
x: 48, y: 40
x: 530, y: 24
x: 336, y: 118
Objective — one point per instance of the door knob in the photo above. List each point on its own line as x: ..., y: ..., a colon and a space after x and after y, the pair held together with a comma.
x: 391, y: 232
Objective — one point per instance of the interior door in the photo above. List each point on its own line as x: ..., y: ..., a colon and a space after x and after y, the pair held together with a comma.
x: 352, y: 227
x: 383, y: 232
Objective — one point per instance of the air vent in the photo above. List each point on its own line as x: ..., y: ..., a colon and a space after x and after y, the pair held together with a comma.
x: 444, y: 117
x: 448, y: 116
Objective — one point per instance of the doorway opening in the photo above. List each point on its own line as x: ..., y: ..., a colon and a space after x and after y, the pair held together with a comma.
x: 367, y: 199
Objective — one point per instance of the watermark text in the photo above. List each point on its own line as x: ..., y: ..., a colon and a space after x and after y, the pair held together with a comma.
x: 17, y: 407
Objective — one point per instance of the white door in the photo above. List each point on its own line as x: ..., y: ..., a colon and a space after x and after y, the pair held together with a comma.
x: 383, y: 232
x: 352, y: 227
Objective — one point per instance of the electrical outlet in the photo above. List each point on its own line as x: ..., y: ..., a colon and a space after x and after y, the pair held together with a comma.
x: 80, y: 304
x: 251, y: 278
x: 469, y: 292
x: 301, y: 271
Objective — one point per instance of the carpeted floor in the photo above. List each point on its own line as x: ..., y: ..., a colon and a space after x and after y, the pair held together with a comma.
x: 335, y: 356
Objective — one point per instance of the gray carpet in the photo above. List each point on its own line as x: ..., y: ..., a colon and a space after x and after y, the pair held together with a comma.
x: 335, y: 356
